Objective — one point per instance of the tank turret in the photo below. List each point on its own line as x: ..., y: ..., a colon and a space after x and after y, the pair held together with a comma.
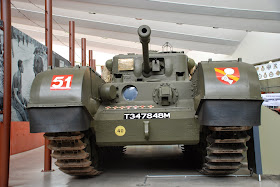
x: 144, y: 33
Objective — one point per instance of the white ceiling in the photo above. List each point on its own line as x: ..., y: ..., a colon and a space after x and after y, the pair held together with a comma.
x: 110, y: 26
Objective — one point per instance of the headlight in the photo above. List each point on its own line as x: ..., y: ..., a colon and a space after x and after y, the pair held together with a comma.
x: 130, y: 93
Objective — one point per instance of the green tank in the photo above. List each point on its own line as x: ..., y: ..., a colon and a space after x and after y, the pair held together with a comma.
x: 156, y: 98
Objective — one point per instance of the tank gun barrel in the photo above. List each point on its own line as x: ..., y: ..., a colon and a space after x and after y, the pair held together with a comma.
x: 144, y: 33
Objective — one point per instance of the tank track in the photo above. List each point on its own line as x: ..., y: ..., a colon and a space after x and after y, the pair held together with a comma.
x: 70, y: 151
x: 225, y: 149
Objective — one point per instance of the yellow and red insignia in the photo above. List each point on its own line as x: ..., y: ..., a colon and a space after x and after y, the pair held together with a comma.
x: 228, y: 75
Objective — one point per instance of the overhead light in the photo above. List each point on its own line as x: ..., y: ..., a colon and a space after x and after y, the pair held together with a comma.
x: 91, y: 12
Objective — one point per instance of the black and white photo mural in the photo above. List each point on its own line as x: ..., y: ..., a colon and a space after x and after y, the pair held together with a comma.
x: 29, y: 58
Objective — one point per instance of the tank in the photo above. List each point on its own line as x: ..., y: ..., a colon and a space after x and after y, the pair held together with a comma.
x: 154, y: 98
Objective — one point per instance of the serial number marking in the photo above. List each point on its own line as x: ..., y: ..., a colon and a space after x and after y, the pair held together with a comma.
x: 157, y: 115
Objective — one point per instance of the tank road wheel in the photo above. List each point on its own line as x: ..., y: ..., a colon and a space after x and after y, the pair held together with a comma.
x: 71, y: 152
x: 225, y: 149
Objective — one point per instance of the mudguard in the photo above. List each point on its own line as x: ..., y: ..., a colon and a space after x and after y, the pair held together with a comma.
x: 227, y: 93
x: 64, y: 99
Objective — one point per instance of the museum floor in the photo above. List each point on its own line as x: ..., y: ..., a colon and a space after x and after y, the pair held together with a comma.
x: 25, y: 170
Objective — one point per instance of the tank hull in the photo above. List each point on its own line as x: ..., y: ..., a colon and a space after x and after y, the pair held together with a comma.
x: 180, y: 128
x: 173, y: 124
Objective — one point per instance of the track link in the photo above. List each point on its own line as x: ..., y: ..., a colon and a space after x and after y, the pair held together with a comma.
x: 69, y: 150
x: 226, y: 146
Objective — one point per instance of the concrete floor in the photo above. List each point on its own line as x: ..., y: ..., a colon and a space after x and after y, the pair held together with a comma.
x: 25, y: 170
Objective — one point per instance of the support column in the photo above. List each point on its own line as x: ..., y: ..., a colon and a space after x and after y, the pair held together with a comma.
x: 46, y: 24
x: 6, y: 125
x: 84, y: 52
x: 48, y: 41
x: 94, y: 64
x: 90, y: 62
x: 49, y: 33
x: 72, y: 42
x: 1, y: 10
